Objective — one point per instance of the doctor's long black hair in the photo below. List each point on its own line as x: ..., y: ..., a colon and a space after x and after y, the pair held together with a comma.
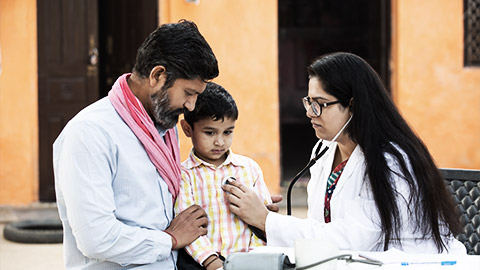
x: 375, y: 125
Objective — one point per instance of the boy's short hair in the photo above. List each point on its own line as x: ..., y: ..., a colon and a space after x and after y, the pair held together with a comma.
x: 214, y: 103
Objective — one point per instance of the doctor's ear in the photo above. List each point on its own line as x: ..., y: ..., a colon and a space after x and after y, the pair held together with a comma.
x: 350, y: 104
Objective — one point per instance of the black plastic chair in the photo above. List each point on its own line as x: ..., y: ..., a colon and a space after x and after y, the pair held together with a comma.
x: 464, y: 185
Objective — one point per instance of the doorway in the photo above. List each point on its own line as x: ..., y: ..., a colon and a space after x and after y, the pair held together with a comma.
x: 123, y: 26
x: 83, y: 46
x: 306, y: 30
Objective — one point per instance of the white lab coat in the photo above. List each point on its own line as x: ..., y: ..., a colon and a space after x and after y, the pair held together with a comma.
x: 355, y: 224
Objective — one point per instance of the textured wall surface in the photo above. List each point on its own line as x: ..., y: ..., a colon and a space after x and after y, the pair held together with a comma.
x: 243, y: 36
x: 438, y: 96
x: 18, y: 102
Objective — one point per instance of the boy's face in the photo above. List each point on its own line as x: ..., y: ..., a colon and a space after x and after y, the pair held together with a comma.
x: 212, y: 139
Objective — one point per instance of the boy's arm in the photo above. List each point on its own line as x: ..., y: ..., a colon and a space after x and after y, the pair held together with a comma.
x: 258, y: 237
x: 201, y: 248
x: 255, y: 241
x: 185, y: 196
x: 259, y: 185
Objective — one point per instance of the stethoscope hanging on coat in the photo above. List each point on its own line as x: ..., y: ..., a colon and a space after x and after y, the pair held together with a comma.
x: 318, y: 155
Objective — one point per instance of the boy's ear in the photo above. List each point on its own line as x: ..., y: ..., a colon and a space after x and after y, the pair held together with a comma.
x: 187, y: 129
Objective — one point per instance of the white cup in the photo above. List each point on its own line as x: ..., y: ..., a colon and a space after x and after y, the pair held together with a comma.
x: 309, y: 251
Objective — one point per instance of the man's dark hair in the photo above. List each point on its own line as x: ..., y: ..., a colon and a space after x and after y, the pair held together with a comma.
x: 181, y: 49
x: 214, y: 103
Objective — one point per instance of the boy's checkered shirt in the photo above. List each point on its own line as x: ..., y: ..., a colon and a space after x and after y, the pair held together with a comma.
x: 201, y: 184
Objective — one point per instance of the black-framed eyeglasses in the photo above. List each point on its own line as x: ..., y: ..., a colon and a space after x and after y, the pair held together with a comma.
x: 316, y: 106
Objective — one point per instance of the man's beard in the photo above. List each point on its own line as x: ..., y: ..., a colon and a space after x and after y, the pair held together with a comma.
x: 163, y: 115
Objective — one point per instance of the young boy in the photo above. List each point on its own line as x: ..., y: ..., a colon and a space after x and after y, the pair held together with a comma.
x: 210, y: 126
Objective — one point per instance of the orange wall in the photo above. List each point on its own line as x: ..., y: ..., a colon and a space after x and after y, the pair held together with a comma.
x: 18, y: 102
x: 437, y: 95
x: 243, y: 36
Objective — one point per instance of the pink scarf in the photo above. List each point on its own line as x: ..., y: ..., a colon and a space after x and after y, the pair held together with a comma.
x: 165, y: 155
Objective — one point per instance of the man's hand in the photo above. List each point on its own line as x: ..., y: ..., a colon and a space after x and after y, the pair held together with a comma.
x: 188, y: 225
x: 245, y: 203
x: 273, y: 206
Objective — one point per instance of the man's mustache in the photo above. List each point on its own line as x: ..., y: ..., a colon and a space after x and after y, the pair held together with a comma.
x: 176, y: 112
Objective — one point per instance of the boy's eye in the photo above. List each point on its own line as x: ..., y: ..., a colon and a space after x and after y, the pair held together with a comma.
x: 228, y: 132
x: 209, y: 133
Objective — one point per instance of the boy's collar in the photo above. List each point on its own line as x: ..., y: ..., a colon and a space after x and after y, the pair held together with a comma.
x: 194, y: 161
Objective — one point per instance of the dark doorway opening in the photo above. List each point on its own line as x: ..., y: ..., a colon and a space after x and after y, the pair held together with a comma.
x: 308, y: 29
x: 123, y: 26
x: 83, y: 46
x: 67, y: 73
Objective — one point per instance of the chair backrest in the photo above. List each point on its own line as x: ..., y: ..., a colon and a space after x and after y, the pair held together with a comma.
x: 464, y: 185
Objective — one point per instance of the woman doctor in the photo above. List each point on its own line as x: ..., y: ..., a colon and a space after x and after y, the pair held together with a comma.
x: 376, y: 187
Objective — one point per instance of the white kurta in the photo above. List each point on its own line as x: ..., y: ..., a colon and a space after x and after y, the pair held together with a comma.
x: 113, y: 203
x: 355, y: 223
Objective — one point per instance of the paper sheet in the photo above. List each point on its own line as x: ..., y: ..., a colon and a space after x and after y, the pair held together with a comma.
x: 397, y: 257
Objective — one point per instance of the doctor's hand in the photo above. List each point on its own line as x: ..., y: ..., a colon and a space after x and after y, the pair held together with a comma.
x: 245, y: 203
x: 187, y: 226
x: 273, y: 206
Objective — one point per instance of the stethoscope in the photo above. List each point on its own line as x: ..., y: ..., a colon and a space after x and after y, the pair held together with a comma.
x: 318, y: 155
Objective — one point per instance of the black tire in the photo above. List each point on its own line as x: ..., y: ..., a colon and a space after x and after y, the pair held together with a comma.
x: 34, y: 231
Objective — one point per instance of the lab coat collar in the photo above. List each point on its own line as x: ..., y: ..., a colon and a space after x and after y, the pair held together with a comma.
x: 354, y: 163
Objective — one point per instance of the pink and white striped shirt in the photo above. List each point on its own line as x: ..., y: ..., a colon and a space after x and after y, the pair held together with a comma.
x: 201, y: 184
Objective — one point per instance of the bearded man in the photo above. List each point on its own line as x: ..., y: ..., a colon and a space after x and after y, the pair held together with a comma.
x: 117, y: 163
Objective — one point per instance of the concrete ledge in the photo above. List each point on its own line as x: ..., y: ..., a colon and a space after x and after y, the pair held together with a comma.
x: 35, y: 211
